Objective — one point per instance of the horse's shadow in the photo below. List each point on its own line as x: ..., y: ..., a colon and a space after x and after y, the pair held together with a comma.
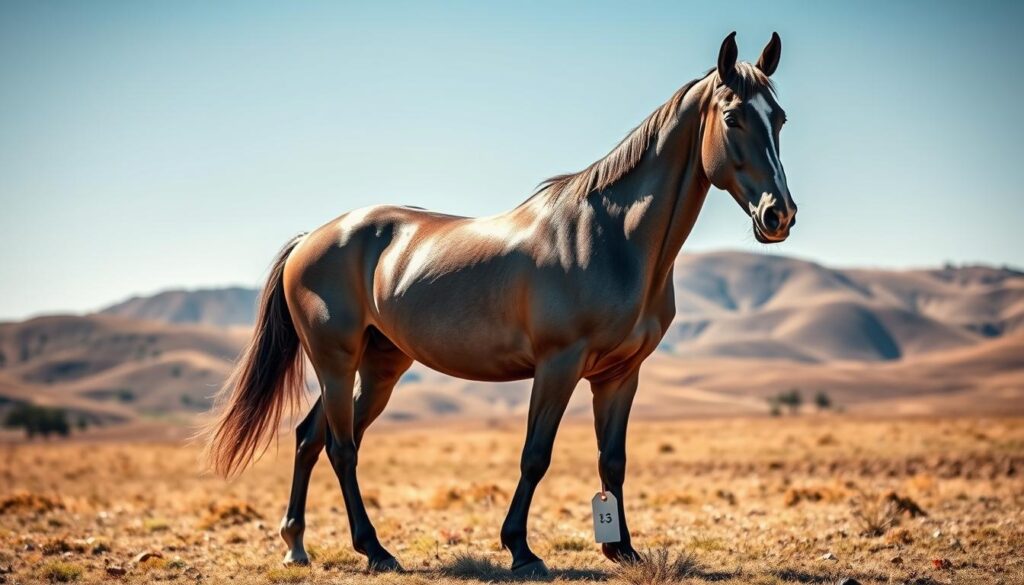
x: 473, y: 567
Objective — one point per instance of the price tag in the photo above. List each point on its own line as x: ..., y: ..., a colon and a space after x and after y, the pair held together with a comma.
x: 606, y: 517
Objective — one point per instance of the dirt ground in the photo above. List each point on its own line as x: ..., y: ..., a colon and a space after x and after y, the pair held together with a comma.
x: 812, y: 499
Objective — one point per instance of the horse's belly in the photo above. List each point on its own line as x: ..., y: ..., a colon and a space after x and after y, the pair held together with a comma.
x: 464, y: 353
x: 468, y: 336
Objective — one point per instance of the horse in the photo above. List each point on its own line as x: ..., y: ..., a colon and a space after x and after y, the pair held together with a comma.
x: 574, y: 283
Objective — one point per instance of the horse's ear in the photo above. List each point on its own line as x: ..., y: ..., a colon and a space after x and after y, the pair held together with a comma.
x: 727, y: 58
x: 769, y: 59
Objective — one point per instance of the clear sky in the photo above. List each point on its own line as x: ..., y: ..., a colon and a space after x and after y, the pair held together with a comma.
x: 147, y: 145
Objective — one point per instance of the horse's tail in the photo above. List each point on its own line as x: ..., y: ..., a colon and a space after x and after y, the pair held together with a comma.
x: 269, y: 377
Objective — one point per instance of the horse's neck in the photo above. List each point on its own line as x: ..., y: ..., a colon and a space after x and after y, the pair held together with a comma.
x: 658, y: 201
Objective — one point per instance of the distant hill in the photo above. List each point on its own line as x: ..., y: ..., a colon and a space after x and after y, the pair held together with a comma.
x: 941, y: 341
x: 220, y: 306
x: 111, y: 368
x: 732, y: 304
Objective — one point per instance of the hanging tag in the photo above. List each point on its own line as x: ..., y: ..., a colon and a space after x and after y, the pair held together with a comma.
x: 606, y: 517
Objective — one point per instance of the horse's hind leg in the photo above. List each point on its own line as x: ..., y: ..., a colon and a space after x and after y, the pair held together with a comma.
x: 381, y: 367
x: 336, y: 362
x: 310, y: 436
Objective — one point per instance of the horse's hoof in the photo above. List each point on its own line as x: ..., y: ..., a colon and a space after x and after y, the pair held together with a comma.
x: 385, y: 565
x: 620, y: 555
x: 296, y: 559
x: 535, y: 568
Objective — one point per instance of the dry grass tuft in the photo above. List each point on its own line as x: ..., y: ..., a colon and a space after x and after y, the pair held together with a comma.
x: 60, y: 572
x: 288, y: 575
x: 657, y: 567
x: 465, y: 565
x: 336, y: 559
x: 229, y: 513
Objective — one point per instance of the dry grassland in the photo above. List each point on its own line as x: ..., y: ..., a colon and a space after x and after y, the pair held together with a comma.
x: 788, y: 500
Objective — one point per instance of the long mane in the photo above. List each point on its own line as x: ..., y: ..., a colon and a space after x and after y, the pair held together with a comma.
x: 614, y: 165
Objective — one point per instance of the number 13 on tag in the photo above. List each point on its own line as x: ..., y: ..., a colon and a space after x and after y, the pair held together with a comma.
x: 606, y: 517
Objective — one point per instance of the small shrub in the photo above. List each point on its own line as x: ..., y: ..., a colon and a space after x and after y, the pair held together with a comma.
x: 38, y: 420
x: 822, y: 401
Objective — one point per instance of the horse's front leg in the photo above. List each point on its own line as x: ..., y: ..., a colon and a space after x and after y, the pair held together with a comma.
x: 553, y: 383
x: 613, y: 400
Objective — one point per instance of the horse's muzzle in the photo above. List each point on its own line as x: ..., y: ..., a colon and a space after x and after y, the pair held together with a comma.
x: 772, y: 220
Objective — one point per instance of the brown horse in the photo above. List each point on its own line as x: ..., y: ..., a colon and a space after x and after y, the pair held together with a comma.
x: 574, y: 283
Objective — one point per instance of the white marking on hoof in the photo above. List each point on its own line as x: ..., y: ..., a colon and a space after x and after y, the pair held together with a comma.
x: 295, y: 559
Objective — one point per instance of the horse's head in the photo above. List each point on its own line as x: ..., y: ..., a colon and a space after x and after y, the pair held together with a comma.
x: 740, y: 149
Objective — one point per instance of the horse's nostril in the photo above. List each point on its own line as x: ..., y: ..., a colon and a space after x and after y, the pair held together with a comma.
x: 771, y: 220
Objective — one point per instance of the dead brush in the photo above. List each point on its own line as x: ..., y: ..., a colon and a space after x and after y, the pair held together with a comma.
x: 658, y: 567
x: 873, y: 515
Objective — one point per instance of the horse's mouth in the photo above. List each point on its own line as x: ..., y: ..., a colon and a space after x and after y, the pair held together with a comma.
x: 761, y: 236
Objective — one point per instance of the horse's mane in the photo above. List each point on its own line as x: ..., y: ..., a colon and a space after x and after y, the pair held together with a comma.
x: 747, y: 81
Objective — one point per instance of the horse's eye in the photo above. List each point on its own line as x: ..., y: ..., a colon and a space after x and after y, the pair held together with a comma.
x: 731, y: 121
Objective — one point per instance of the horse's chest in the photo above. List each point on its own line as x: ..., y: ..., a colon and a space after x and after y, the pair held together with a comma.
x: 627, y: 341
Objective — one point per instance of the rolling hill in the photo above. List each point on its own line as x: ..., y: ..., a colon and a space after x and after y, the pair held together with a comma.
x: 748, y: 326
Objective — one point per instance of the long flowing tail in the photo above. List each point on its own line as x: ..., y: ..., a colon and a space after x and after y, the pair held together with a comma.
x: 268, y: 378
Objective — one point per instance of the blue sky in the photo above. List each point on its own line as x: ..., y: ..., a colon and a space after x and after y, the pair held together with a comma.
x: 148, y: 145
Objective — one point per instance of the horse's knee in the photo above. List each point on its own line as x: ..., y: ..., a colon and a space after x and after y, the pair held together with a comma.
x: 534, y: 466
x: 613, y: 466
